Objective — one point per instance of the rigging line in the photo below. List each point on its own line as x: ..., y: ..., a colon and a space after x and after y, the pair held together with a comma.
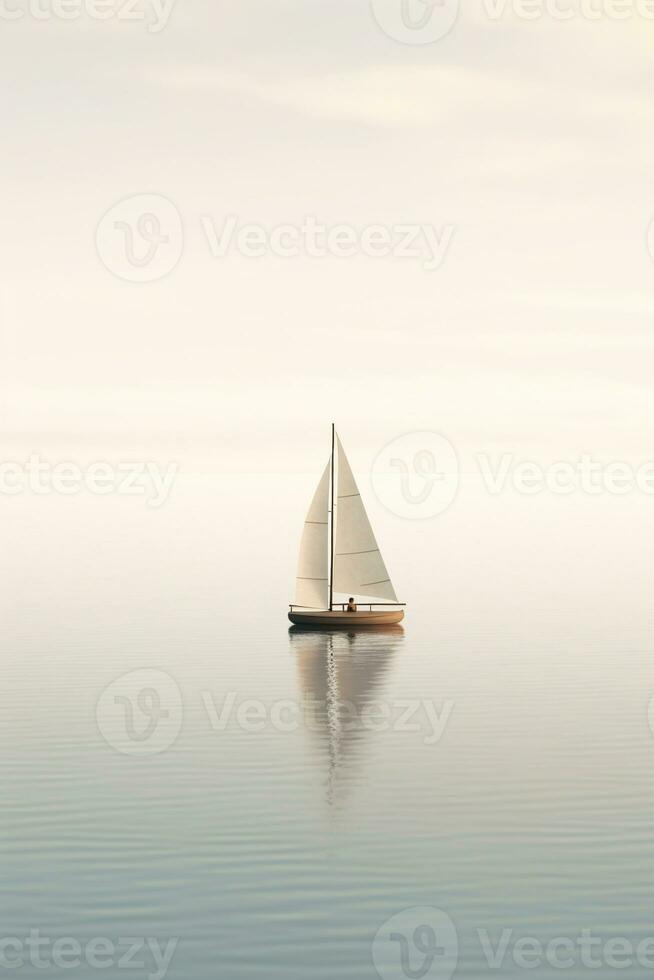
x: 345, y: 554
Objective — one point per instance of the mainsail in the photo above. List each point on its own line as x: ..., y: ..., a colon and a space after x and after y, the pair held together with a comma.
x: 359, y: 568
x: 312, y: 588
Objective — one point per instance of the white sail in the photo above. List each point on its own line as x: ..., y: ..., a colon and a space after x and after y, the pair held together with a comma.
x: 359, y: 568
x: 312, y: 587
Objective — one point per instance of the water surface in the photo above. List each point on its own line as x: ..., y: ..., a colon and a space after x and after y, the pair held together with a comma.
x: 279, y: 848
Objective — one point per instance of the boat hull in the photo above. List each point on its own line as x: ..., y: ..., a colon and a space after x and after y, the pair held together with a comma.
x: 345, y: 620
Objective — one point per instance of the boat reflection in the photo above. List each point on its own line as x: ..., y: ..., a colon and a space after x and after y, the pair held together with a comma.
x: 339, y: 674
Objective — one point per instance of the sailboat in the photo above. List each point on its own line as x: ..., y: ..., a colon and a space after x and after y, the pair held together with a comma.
x: 339, y: 553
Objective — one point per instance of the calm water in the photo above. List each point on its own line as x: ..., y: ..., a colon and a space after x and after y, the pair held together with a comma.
x: 276, y: 838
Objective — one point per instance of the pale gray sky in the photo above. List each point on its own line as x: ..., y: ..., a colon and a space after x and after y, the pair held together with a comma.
x: 533, y: 140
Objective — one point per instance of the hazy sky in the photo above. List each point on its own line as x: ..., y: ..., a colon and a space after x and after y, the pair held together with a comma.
x: 531, y: 141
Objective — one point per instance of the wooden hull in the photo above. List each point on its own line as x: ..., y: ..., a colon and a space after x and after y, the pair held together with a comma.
x: 346, y: 621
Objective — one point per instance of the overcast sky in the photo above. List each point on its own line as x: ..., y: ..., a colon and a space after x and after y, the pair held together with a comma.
x: 526, y: 146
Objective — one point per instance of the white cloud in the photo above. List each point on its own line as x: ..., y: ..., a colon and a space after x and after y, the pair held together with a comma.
x: 390, y: 96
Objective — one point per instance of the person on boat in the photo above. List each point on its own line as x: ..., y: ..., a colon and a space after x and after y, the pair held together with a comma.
x: 351, y: 606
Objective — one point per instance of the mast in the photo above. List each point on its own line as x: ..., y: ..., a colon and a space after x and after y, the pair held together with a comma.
x: 331, y: 546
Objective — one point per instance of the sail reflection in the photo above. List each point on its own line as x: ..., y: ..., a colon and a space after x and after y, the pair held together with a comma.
x: 340, y: 673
